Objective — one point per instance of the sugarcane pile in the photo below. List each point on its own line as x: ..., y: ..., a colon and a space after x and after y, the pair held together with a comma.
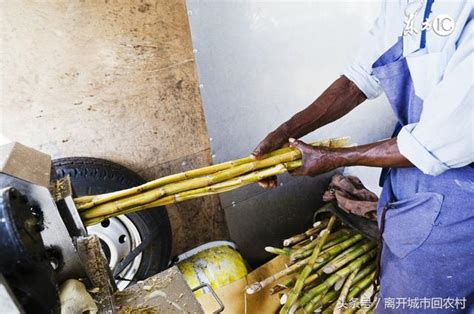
x: 191, y: 184
x: 331, y: 269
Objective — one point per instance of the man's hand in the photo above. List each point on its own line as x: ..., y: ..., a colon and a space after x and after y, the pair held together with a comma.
x: 316, y: 159
x: 338, y: 99
x: 271, y: 142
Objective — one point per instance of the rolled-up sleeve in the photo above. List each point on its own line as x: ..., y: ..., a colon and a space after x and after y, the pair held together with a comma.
x: 444, y: 136
x: 359, y: 70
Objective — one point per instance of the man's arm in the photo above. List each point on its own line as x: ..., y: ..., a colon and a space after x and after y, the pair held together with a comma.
x: 318, y: 160
x: 337, y: 100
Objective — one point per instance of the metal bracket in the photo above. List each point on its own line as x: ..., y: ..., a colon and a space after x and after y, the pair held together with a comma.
x: 365, y: 226
x: 214, y: 295
x: 135, y: 252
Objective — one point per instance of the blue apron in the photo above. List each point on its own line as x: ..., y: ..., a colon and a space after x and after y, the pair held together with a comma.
x: 427, y: 222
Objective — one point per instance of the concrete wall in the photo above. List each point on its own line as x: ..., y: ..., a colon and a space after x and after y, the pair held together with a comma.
x: 109, y: 79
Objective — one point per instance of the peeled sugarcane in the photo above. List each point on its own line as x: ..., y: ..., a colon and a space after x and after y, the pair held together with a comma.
x: 191, y: 184
x: 295, y: 292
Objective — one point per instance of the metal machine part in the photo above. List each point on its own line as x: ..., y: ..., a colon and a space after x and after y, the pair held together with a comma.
x: 25, y: 262
x: 119, y: 236
x: 37, y: 250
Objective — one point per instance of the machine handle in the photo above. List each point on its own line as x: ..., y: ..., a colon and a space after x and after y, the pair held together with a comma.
x: 214, y: 294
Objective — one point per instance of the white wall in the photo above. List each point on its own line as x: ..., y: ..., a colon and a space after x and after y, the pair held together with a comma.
x: 259, y: 63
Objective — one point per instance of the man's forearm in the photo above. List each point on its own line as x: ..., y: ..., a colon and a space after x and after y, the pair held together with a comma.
x: 318, y: 160
x: 336, y: 101
x: 379, y: 154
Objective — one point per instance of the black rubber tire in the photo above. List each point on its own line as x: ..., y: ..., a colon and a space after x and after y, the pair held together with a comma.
x: 91, y: 176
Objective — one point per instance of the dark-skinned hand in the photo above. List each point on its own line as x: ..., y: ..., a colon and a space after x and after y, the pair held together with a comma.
x: 316, y: 159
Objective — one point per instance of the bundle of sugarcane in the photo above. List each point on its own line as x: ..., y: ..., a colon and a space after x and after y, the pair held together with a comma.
x: 195, y: 183
x: 331, y: 269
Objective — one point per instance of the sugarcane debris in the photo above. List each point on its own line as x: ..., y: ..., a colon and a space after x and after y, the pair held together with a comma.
x: 333, y: 272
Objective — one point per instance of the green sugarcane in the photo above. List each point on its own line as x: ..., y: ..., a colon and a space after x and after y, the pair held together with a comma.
x: 278, y: 251
x: 348, y: 256
x: 325, y: 257
x: 345, y: 290
x: 307, y: 234
x: 360, y: 285
x: 332, y: 279
x: 330, y: 309
x: 334, y: 238
x: 295, y: 292
x: 364, y: 271
x: 317, y: 303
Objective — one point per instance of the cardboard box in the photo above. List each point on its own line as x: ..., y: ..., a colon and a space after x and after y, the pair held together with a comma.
x: 237, y: 301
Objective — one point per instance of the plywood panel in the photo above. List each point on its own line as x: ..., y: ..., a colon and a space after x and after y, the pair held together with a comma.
x: 109, y: 79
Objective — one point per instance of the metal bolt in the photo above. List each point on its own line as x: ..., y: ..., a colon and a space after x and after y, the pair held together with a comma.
x: 190, y: 12
x: 210, y: 139
x: 195, y: 50
x: 184, y: 163
x: 201, y: 86
x: 233, y: 203
x: 213, y: 156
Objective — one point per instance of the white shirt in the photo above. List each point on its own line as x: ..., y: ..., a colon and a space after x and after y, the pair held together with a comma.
x: 442, y: 74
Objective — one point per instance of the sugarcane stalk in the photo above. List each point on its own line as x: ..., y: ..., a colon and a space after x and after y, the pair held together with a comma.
x: 87, y: 202
x: 364, y: 271
x: 345, y: 290
x: 278, y: 251
x: 194, y: 183
x: 325, y: 255
x: 257, y: 286
x: 285, y: 284
x: 308, y: 233
x: 120, y: 206
x: 360, y: 285
x: 295, y: 292
x: 140, y: 202
x: 348, y: 256
x: 338, y: 285
x: 333, y: 278
x: 323, y: 300
x: 311, y: 305
x: 194, y: 173
x: 330, y: 309
x: 117, y: 202
x: 333, y: 239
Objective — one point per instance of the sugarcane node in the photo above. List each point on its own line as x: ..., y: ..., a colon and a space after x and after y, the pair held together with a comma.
x: 253, y: 288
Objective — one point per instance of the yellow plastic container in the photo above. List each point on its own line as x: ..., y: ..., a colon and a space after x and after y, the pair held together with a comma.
x: 216, y: 263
